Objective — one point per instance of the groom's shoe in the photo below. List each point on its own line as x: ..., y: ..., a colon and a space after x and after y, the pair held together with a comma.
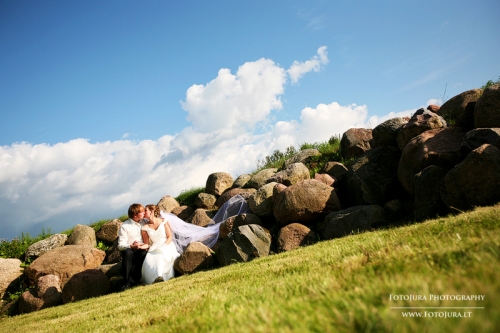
x: 125, y: 287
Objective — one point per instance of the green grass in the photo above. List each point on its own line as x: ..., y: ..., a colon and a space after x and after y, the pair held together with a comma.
x: 341, y: 285
x: 16, y: 247
x: 330, y: 151
x: 188, y: 197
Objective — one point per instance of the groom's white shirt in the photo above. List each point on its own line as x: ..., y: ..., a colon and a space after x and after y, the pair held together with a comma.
x: 130, y: 231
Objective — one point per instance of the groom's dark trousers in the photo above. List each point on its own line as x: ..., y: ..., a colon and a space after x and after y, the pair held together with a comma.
x: 132, y: 260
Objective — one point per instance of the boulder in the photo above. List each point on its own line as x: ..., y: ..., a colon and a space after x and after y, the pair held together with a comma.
x: 167, y: 204
x: 111, y: 270
x: 108, y: 232
x: 218, y: 182
x: 261, y: 177
x: 385, y: 134
x: 427, y: 189
x: 236, y: 221
x: 113, y: 254
x: 372, y: 178
x: 295, y: 235
x: 277, y: 189
x: 487, y: 109
x: 28, y: 302
x: 421, y: 121
x: 352, y: 219
x: 439, y: 147
x: 244, y: 192
x: 9, y: 308
x: 459, y: 110
x: 244, y: 244
x: 355, y: 142
x: 325, y: 179
x: 477, y: 137
x: 394, y: 210
x: 183, y: 212
x: 335, y: 169
x: 64, y: 262
x: 47, y: 293
x: 433, y: 107
x: 201, y: 217
x: 305, y: 201
x: 205, y: 201
x: 241, y: 181
x: 196, y: 257
x: 82, y: 235
x: 10, y: 272
x: 37, y: 249
x: 302, y: 156
x: 86, y: 284
x: 261, y: 201
x: 475, y: 181
x: 292, y: 174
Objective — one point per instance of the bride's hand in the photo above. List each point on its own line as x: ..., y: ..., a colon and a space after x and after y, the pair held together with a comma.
x: 143, y: 246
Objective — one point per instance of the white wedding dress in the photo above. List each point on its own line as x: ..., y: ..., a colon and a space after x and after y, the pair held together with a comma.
x: 159, y: 261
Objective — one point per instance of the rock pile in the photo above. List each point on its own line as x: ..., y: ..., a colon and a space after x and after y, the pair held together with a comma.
x: 441, y: 160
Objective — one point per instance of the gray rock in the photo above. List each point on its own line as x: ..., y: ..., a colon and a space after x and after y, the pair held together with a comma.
x: 196, y: 257
x: 487, y: 108
x: 167, y: 204
x: 236, y: 221
x: 355, y: 142
x: 64, y: 262
x: 247, y: 242
x: 421, y: 121
x: 82, y: 235
x: 218, y: 182
x: 439, y: 147
x: 10, y: 272
x: 108, y: 232
x: 477, y: 137
x: 352, y: 219
x: 261, y: 178
x: 205, y: 201
x: 86, y: 284
x: 241, y: 181
x: 475, y: 181
x: 427, y: 188
x: 385, y: 134
x: 305, y: 201
x: 292, y: 174
x: 459, y: 110
x: 35, y: 250
x: 372, y: 178
x: 261, y: 201
x: 295, y: 235
x: 302, y: 156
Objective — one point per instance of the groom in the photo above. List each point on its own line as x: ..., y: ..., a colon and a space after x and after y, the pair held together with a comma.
x: 132, y: 247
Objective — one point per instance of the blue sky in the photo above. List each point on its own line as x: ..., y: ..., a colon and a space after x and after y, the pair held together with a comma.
x: 106, y: 103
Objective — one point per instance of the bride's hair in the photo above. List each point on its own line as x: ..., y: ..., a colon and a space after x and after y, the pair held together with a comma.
x: 154, y: 209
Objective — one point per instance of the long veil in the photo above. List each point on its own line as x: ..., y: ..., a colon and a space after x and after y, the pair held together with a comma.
x: 185, y: 233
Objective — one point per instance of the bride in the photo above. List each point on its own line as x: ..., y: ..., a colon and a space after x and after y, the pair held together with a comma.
x: 159, y: 262
x: 170, y: 236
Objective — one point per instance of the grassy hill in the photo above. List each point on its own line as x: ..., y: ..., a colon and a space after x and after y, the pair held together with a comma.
x: 341, y: 285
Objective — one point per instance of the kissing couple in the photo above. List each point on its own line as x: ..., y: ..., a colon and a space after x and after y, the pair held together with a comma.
x: 150, y: 244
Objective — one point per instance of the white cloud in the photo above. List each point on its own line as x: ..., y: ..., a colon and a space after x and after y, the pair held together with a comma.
x: 232, y: 102
x: 298, y: 69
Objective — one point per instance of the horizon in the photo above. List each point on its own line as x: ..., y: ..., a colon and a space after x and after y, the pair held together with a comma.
x: 106, y: 104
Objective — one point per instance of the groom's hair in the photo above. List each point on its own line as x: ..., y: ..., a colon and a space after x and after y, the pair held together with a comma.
x: 135, y: 209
